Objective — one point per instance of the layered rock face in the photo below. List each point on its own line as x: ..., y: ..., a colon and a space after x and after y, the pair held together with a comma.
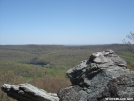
x: 104, y: 75
x: 27, y: 92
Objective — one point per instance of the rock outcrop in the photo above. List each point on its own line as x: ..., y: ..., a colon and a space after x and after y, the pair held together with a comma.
x: 27, y: 92
x: 104, y: 75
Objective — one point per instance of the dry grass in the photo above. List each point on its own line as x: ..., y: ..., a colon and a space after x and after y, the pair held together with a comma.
x: 51, y: 84
x: 8, y: 77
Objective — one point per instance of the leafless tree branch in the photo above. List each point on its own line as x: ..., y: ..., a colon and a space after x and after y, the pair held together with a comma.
x: 128, y: 43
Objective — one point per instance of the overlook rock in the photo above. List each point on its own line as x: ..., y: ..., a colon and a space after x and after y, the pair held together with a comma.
x: 104, y: 75
x: 27, y: 92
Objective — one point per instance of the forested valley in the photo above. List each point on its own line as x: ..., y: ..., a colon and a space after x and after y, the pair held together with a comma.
x: 45, y: 66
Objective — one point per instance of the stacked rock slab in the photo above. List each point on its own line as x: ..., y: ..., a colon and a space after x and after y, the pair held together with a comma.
x: 104, y: 75
x: 27, y: 92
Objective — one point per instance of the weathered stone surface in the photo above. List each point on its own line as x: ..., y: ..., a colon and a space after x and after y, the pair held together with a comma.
x: 72, y: 92
x: 27, y: 92
x: 103, y: 75
x: 98, y: 62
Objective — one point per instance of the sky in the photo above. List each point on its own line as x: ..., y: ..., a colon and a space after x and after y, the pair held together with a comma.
x: 65, y: 22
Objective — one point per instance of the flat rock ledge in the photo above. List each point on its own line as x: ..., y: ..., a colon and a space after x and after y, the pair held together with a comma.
x: 27, y: 92
x: 104, y: 75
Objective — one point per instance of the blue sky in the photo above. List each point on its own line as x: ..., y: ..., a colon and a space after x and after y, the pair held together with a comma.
x: 67, y: 22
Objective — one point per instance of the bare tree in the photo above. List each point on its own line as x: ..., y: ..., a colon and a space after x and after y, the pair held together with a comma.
x: 128, y: 43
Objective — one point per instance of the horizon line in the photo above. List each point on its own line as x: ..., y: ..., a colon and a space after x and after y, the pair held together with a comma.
x: 63, y: 44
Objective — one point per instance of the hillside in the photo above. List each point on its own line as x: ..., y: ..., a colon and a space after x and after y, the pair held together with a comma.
x: 45, y: 65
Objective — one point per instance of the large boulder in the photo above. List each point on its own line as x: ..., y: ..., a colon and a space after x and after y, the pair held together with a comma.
x: 104, y: 76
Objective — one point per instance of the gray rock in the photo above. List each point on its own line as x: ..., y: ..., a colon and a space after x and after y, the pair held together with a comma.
x: 98, y: 62
x: 104, y: 75
x: 72, y: 92
x: 27, y: 92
